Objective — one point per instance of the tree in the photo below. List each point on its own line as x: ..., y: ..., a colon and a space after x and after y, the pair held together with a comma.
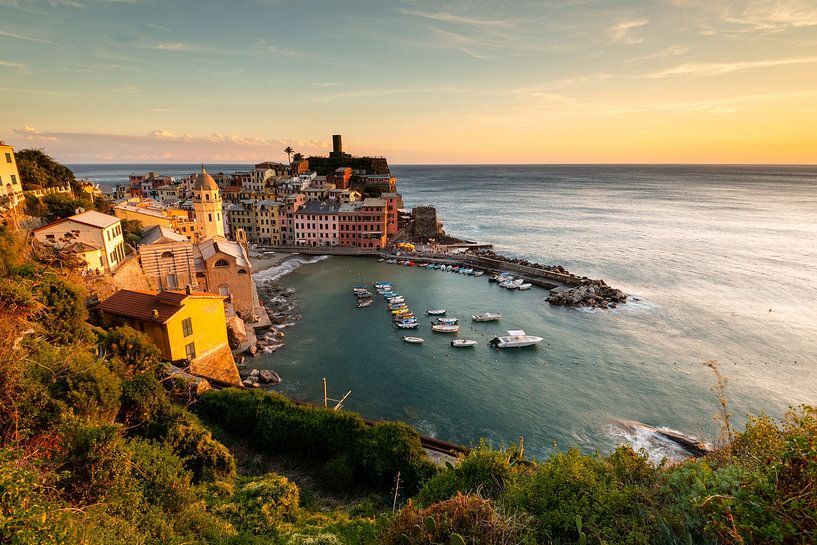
x: 132, y: 231
x: 289, y: 151
x: 38, y: 169
x: 298, y: 157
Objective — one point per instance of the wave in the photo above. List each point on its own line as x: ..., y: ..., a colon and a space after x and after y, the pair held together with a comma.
x: 641, y: 436
x: 274, y: 273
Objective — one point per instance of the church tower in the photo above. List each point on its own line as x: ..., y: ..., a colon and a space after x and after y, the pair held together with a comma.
x: 207, y: 206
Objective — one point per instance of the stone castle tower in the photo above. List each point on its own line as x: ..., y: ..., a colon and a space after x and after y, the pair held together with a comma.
x: 207, y: 206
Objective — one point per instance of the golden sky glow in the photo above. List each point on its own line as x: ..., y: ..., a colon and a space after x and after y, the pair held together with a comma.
x: 421, y: 81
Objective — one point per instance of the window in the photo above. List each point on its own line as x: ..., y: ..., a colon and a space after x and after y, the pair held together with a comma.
x: 13, y: 179
x: 187, y: 326
x: 8, y: 158
x: 190, y: 350
x: 222, y: 263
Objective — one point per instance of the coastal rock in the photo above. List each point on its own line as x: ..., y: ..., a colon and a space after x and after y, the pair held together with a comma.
x: 591, y: 293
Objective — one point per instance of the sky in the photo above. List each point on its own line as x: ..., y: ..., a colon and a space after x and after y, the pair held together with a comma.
x: 419, y: 81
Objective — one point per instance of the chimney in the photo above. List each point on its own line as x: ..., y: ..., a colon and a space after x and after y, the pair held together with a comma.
x: 337, y: 146
x: 188, y: 289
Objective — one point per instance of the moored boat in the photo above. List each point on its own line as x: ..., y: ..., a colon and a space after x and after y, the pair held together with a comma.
x: 413, y: 340
x: 463, y: 343
x: 436, y: 312
x: 445, y: 321
x: 487, y: 317
x: 524, y: 286
x: 515, y: 338
x: 445, y: 328
x: 363, y: 303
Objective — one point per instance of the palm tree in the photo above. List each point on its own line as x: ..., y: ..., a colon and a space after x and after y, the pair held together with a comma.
x: 289, y: 151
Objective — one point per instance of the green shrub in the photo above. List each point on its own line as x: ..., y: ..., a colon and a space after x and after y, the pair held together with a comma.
x: 133, y: 348
x: 393, y: 447
x: 160, y: 475
x: 484, y: 471
x: 206, y: 458
x: 90, y: 388
x: 614, y: 496
x: 262, y: 505
x: 63, y: 315
x: 143, y: 402
x: 338, y: 474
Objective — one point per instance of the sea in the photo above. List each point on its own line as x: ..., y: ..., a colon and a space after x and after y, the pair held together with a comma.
x: 720, y: 263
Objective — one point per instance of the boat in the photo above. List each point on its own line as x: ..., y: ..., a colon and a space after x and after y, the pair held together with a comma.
x: 445, y: 321
x: 381, y: 260
x: 363, y: 295
x: 398, y: 299
x: 479, y: 273
x: 382, y: 284
x: 436, y: 312
x: 445, y: 328
x: 516, y: 338
x: 407, y: 325
x: 363, y: 303
x: 524, y: 286
x: 487, y: 317
x: 413, y: 340
x: 463, y: 343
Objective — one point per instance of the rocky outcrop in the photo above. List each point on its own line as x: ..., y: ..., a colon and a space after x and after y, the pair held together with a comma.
x: 592, y: 293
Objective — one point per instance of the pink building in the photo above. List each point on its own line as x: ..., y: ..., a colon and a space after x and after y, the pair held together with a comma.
x: 316, y: 224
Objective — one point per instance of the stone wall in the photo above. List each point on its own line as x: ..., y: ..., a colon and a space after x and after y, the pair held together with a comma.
x: 218, y: 366
x: 425, y: 221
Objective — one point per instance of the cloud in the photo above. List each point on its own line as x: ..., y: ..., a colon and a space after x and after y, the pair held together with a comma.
x: 15, y: 65
x: 162, y: 145
x: 718, y: 69
x: 448, y: 17
x: 772, y: 15
x: 26, y: 38
x: 170, y: 46
x: 620, y: 32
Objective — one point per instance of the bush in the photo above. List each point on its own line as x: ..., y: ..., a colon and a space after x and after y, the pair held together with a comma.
x: 133, y: 348
x: 475, y: 519
x: 63, y: 318
x: 614, y: 496
x: 143, y: 400
x: 338, y: 474
x: 90, y: 388
x: 206, y: 458
x: 160, y: 475
x: 277, y: 425
x: 262, y: 505
x: 484, y: 471
x: 758, y: 489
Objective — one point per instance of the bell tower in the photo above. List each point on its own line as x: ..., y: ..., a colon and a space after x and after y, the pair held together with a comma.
x: 207, y: 206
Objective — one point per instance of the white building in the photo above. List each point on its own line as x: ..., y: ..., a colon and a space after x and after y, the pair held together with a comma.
x: 90, y: 230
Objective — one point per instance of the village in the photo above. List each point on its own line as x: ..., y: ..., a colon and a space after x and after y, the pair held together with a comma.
x: 186, y: 277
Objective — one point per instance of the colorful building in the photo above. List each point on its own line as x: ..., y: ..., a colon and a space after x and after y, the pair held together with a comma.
x: 316, y: 224
x: 223, y: 267
x: 189, y: 328
x: 363, y: 224
x: 11, y: 187
x: 91, y: 229
x: 167, y: 259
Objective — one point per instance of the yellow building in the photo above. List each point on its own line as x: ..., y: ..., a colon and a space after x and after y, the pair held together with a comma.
x: 207, y: 206
x: 11, y: 188
x: 190, y: 328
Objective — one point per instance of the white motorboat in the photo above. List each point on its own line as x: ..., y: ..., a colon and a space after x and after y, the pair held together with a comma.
x: 363, y: 303
x: 408, y: 325
x: 399, y: 299
x: 479, y: 273
x: 463, y: 343
x: 413, y: 340
x: 525, y: 286
x: 445, y: 328
x: 436, y: 312
x: 487, y: 317
x: 445, y: 321
x: 516, y: 338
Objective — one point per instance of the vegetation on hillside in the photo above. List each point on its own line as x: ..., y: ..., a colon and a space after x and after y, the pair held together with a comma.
x: 97, y: 448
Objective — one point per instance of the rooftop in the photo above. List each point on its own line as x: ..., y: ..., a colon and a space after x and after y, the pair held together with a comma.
x: 91, y: 217
x: 150, y: 306
x: 160, y: 234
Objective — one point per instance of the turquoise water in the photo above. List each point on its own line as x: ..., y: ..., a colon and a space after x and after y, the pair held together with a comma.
x: 707, y: 250
x: 723, y: 260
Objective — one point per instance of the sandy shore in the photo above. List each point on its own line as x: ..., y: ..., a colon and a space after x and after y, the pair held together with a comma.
x: 264, y: 260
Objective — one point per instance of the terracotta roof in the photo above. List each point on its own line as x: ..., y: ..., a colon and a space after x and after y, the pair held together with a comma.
x: 204, y: 182
x: 159, y: 234
x: 142, y: 304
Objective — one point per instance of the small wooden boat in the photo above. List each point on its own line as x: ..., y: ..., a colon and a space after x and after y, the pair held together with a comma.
x: 363, y: 303
x: 463, y: 343
x: 413, y: 340
x: 436, y: 312
x: 445, y: 328
x: 487, y: 317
